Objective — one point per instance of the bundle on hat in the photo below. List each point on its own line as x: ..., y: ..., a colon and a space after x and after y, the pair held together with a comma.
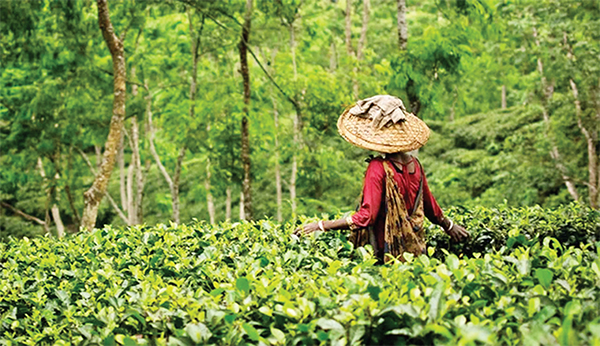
x: 381, y: 123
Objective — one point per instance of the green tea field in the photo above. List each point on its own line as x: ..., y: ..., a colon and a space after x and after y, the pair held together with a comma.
x: 526, y: 277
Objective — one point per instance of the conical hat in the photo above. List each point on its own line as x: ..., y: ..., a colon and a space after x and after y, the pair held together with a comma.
x: 381, y: 123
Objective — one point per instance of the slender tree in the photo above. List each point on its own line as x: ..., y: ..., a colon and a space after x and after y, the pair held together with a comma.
x: 243, y: 50
x: 94, y: 194
x: 402, y: 26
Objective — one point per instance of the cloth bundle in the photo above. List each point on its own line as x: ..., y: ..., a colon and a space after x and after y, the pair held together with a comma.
x: 382, y: 110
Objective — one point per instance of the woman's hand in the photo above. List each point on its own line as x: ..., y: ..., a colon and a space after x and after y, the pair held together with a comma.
x: 307, y: 229
x: 457, y: 232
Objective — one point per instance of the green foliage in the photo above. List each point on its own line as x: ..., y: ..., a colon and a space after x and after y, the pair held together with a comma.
x: 56, y: 99
x: 487, y: 159
x: 255, y: 283
x: 570, y: 225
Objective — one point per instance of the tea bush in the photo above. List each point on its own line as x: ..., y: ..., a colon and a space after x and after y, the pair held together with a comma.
x: 256, y: 284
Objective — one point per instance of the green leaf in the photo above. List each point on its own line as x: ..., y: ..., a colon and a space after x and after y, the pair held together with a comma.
x: 328, y: 324
x: 374, y: 292
x: 436, y: 301
x: 242, y: 284
x: 198, y: 332
x: 544, y: 276
x: 251, y: 331
x: 129, y: 341
x: 109, y: 341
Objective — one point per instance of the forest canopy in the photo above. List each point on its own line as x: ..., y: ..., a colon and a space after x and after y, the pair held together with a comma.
x: 176, y: 110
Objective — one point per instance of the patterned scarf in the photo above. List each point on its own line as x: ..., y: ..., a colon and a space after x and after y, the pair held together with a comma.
x: 403, y: 230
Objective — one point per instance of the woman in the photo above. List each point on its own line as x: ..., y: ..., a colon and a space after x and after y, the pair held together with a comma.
x: 396, y: 196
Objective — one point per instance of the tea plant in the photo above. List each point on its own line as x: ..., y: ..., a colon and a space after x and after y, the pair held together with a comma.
x: 256, y: 284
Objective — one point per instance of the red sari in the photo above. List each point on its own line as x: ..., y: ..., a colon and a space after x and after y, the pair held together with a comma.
x: 372, y: 209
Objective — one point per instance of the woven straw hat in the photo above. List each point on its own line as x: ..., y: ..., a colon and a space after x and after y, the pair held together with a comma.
x: 381, y: 123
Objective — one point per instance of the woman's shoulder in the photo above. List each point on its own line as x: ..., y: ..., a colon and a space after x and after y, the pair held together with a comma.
x: 375, y: 165
x: 375, y: 158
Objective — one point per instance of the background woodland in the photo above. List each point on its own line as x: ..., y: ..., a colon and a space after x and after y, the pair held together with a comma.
x: 227, y: 110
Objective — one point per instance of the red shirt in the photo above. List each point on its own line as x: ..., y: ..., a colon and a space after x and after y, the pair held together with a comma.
x: 372, y: 209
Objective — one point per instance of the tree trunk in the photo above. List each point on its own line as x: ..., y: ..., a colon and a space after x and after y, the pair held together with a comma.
x: 411, y: 89
x: 60, y: 228
x: 503, y: 97
x: 210, y: 204
x: 130, y: 202
x: 108, y: 196
x: 348, y: 29
x: 122, y: 173
x: 592, y: 142
x: 277, y: 166
x: 94, y: 195
x: 362, y: 41
x: 245, y: 156
x: 175, y: 190
x: 297, y: 130
x: 242, y: 213
x: 228, y: 203
x: 74, y: 210
x: 22, y: 214
x: 139, y: 173
x: 402, y: 26
x: 135, y: 198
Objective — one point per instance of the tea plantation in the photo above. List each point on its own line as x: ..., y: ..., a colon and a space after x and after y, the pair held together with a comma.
x: 526, y: 277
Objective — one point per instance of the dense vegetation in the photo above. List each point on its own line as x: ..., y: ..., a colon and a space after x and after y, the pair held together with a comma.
x: 510, y: 90
x: 256, y: 284
x: 184, y: 116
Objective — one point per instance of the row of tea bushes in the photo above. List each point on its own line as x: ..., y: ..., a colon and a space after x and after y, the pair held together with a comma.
x: 256, y: 284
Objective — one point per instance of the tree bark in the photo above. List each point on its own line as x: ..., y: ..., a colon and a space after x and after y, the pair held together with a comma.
x: 277, y: 165
x: 228, y: 203
x: 402, y: 26
x: 297, y: 133
x: 348, y: 28
x: 68, y: 190
x: 245, y: 156
x: 411, y: 89
x: 210, y: 204
x: 48, y: 198
x: 136, y: 195
x: 107, y: 194
x: 22, y: 214
x: 362, y: 41
x: 592, y: 142
x: 55, y: 212
x: 60, y: 227
x: 130, y: 202
x: 139, y: 173
x: 294, y: 172
x: 175, y: 191
x: 242, y: 211
x: 94, y: 195
x: 122, y: 173
x: 503, y: 105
